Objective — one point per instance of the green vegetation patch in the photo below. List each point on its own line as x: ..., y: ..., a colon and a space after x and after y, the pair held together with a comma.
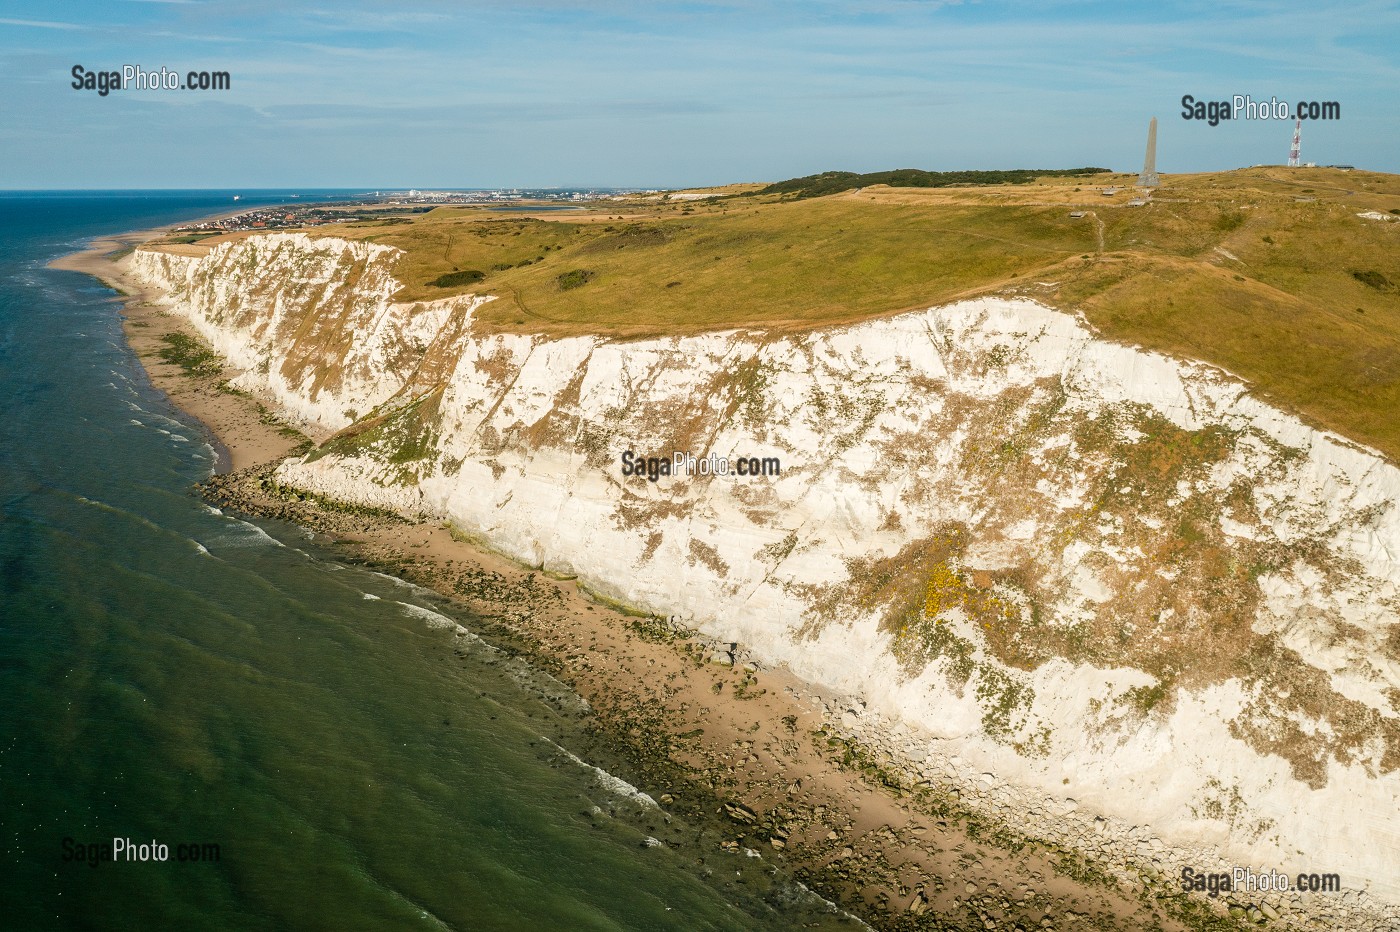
x: 574, y: 278
x: 190, y: 354
x: 913, y: 592
x: 1373, y: 279
x: 404, y: 438
x: 659, y: 631
x: 835, y: 182
x: 457, y: 279
x: 631, y: 236
x: 186, y: 239
x: 1228, y: 220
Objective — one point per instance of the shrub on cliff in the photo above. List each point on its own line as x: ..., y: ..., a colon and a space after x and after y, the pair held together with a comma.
x: 453, y: 279
x: 574, y: 278
x: 1373, y: 279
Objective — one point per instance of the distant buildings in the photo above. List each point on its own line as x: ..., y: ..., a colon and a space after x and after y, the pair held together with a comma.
x: 369, y: 207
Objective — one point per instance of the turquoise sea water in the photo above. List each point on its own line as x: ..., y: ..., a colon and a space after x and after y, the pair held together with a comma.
x: 171, y: 674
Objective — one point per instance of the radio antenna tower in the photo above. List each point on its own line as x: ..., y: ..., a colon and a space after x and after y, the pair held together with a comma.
x: 1148, y: 178
x: 1297, y: 137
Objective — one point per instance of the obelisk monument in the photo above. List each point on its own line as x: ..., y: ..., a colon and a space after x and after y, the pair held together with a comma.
x: 1148, y: 178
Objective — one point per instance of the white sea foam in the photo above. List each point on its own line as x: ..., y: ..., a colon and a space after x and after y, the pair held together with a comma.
x: 438, y: 621
x: 614, y: 784
x: 434, y: 619
x: 830, y: 905
x: 246, y: 534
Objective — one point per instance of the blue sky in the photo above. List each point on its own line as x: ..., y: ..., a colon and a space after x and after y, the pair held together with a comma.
x: 553, y: 92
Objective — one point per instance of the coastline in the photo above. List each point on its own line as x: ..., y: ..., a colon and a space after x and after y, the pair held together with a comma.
x: 755, y: 748
x: 242, y: 432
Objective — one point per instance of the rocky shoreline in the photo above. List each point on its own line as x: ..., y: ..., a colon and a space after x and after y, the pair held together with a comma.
x: 1006, y: 862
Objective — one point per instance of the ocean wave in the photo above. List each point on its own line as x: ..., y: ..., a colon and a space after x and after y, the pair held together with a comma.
x: 246, y: 534
x: 402, y: 584
x: 614, y: 784
x: 435, y: 619
x: 178, y: 438
x: 831, y: 906
x: 129, y: 515
x: 173, y: 435
x: 525, y: 675
x: 441, y: 622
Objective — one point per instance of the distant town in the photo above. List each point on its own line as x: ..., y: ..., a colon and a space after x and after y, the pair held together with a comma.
x: 379, y: 205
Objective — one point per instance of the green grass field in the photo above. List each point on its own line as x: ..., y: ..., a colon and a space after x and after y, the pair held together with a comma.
x: 741, y: 262
x: 1266, y: 272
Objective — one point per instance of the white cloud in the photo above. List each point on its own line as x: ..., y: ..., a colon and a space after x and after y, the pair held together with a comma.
x: 41, y: 24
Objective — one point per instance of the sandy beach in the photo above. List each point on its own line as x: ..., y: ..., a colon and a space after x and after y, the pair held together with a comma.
x: 733, y: 744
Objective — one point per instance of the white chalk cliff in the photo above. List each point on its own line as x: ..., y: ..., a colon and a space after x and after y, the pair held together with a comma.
x: 1098, y: 573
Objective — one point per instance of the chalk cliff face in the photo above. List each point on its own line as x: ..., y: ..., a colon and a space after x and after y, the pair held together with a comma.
x: 1093, y: 571
x: 312, y: 322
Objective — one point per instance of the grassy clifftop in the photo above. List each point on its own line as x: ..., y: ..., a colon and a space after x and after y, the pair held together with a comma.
x: 648, y: 268
x: 1267, y: 272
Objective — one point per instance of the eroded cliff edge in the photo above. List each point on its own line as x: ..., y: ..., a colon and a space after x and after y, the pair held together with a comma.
x: 1116, y: 581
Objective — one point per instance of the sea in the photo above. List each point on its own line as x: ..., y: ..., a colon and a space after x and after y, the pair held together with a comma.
x: 208, y: 722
